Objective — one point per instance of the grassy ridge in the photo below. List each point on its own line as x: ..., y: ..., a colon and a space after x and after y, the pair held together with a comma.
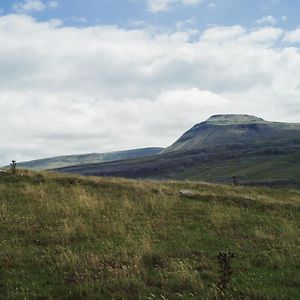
x: 71, y: 160
x: 277, y: 163
x: 67, y: 237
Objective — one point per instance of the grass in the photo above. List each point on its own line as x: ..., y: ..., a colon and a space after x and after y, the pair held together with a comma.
x: 71, y: 237
x: 248, y: 169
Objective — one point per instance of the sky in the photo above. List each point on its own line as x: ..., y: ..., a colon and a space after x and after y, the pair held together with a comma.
x: 82, y: 76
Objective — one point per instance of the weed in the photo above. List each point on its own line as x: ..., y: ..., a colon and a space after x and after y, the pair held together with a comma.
x: 225, y: 270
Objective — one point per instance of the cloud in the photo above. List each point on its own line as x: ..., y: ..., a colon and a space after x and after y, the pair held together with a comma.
x: 269, y: 20
x: 75, y: 90
x: 191, y: 22
x: 163, y: 5
x: 30, y: 6
x: 53, y: 4
x: 79, y: 20
x: 293, y: 36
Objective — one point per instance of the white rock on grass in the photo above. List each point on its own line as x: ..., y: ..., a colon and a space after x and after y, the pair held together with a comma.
x: 186, y: 193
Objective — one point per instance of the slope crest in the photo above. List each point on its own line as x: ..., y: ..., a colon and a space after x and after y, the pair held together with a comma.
x: 234, y: 130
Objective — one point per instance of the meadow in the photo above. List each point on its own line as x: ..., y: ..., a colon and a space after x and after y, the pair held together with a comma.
x: 73, y: 237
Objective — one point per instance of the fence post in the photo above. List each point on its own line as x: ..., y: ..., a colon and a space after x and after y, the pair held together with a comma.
x: 235, y: 180
x: 13, y: 167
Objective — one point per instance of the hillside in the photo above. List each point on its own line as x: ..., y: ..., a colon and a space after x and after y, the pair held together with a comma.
x: 234, y: 130
x: 270, y: 164
x: 257, y: 151
x: 70, y: 160
x: 67, y: 237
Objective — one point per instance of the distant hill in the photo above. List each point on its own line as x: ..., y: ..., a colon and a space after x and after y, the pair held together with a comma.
x: 276, y: 164
x: 257, y: 151
x: 70, y: 160
x: 234, y: 130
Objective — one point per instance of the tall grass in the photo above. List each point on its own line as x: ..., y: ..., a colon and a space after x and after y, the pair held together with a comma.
x: 67, y: 237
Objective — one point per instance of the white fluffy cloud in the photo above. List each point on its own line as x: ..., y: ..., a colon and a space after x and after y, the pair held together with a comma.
x: 293, y: 36
x: 269, y: 20
x: 163, y: 5
x: 75, y: 90
x: 29, y: 6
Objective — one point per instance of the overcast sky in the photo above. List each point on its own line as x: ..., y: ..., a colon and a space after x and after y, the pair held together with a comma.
x: 81, y: 76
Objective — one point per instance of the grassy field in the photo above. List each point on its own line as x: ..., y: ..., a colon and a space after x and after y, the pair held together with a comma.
x: 268, y: 168
x: 67, y: 237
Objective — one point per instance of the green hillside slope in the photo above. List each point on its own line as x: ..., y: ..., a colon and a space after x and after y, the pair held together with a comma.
x: 71, y: 160
x: 271, y: 164
x: 234, y: 130
x: 67, y: 237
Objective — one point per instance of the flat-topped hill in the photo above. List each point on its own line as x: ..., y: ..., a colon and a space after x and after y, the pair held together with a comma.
x: 255, y: 150
x: 234, y: 130
x: 231, y: 119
